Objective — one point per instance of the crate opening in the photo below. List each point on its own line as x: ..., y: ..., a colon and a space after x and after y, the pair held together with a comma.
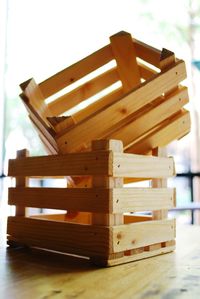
x: 106, y: 67
x: 86, y: 218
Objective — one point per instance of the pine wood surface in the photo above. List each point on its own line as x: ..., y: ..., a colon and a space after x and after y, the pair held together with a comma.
x: 130, y: 88
x: 95, y: 199
x: 41, y: 275
x: 145, y: 94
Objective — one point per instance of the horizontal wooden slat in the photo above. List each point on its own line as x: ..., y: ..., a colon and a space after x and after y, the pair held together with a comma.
x: 85, y: 200
x: 83, y: 92
x: 140, y: 254
x: 136, y: 235
x: 142, y: 199
x: 76, y: 71
x: 99, y: 105
x: 96, y: 127
x: 57, y: 165
x: 60, y: 236
x: 147, y: 53
x: 136, y: 128
x: 118, y: 200
x: 172, y: 129
x: 138, y: 166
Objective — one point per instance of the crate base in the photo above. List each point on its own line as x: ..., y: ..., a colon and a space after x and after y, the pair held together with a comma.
x: 138, y: 254
x: 126, y: 257
x: 18, y: 238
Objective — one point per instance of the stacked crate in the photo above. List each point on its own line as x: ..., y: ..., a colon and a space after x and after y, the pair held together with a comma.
x: 129, y: 92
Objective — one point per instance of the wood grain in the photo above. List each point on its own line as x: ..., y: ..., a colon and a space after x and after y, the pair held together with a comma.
x: 90, y: 129
x: 138, y: 166
x: 70, y: 164
x: 61, y: 236
x: 76, y: 71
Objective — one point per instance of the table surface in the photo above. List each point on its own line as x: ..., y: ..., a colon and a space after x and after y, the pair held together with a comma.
x: 40, y: 275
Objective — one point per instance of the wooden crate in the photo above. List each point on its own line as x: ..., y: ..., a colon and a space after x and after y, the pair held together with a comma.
x: 104, y: 230
x: 142, y: 106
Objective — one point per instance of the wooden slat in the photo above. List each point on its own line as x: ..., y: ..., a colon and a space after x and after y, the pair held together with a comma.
x: 98, y: 105
x: 85, y: 200
x: 41, y: 125
x: 76, y: 71
x: 136, y: 128
x: 159, y: 183
x: 35, y: 98
x: 142, y: 199
x: 65, y: 124
x: 124, y: 54
x: 139, y: 254
x: 107, y: 182
x: 147, y: 53
x: 118, y: 200
x: 91, y: 129
x: 69, y: 216
x: 58, y: 165
x: 138, y: 166
x: 21, y: 182
x: 83, y: 92
x: 136, y: 235
x: 60, y: 236
x: 145, y: 71
x: 172, y: 129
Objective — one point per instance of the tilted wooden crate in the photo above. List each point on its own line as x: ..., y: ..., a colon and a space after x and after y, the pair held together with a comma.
x: 144, y: 107
x: 102, y: 230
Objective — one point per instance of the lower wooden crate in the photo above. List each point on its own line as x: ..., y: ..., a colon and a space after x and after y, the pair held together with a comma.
x: 104, y: 245
x: 102, y: 221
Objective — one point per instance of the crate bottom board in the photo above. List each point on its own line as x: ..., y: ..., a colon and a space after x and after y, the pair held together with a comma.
x: 139, y: 253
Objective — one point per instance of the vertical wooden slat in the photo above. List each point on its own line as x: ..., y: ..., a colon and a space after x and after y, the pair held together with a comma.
x: 21, y: 181
x: 124, y: 53
x: 107, y: 182
x: 159, y: 183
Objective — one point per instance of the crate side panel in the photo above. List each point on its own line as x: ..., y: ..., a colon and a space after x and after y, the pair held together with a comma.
x: 148, y: 91
x: 60, y: 236
x: 141, y: 234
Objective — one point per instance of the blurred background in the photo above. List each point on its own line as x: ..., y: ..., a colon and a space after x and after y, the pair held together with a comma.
x: 40, y: 37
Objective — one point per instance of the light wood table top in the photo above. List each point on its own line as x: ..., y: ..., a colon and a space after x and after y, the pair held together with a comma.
x: 27, y: 275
